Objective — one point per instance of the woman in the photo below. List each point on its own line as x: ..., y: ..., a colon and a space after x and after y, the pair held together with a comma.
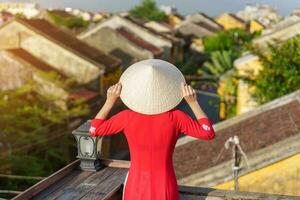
x: 151, y: 89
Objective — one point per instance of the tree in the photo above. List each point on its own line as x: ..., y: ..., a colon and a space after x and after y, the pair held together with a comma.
x: 223, y: 48
x: 148, y: 10
x: 234, y: 40
x: 34, y: 132
x: 186, y: 67
x: 69, y: 22
x: 280, y: 74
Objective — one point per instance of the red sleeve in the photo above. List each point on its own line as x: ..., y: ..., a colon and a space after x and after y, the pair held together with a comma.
x: 113, y: 125
x: 201, y: 128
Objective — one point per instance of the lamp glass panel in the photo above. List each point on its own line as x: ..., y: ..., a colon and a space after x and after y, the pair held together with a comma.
x: 86, y: 146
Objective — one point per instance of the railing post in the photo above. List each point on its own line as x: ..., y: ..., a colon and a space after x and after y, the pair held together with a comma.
x: 88, y: 148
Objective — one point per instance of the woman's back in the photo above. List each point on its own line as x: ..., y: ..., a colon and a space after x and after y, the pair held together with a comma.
x: 151, y: 140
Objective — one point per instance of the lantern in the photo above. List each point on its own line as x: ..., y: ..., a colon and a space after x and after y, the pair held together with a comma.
x: 87, y: 148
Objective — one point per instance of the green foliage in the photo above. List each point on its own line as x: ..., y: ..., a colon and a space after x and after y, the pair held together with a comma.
x: 186, y: 67
x: 233, y: 39
x: 148, y: 10
x: 34, y: 134
x: 57, y: 79
x: 281, y: 71
x: 224, y: 47
x: 221, y: 62
x: 256, y: 34
x: 69, y: 22
x: 23, y: 111
x: 19, y: 15
x: 221, y: 67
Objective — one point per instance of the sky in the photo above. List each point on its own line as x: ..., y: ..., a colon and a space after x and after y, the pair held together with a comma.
x: 185, y: 7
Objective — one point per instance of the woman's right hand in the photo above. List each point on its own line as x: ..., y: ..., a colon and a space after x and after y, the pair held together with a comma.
x: 189, y: 94
x: 113, y: 93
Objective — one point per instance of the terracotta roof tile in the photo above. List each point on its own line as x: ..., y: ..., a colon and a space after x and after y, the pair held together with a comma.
x: 126, y: 58
x: 140, y: 42
x: 168, y: 37
x: 255, y: 132
x: 236, y: 17
x: 84, y: 93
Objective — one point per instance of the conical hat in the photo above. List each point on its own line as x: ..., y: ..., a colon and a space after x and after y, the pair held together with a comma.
x: 151, y: 86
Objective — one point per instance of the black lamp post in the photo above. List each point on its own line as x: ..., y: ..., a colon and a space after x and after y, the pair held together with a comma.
x: 88, y: 148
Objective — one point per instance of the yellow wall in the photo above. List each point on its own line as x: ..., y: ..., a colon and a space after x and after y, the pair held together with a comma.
x: 229, y: 22
x: 198, y: 41
x: 249, y: 68
x: 174, y: 20
x: 226, y: 91
x: 283, y: 177
x: 255, y: 26
x: 222, y: 93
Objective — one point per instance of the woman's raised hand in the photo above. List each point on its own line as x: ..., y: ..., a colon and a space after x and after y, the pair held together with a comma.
x: 190, y: 97
x: 189, y: 94
x: 113, y: 93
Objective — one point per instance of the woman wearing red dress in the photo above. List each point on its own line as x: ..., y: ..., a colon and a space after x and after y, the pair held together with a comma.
x: 151, y: 126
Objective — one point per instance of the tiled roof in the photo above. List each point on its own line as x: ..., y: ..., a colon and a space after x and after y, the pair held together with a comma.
x: 142, y: 22
x: 34, y: 61
x: 188, y: 29
x: 177, y: 14
x: 70, y: 42
x: 60, y: 12
x: 207, y: 26
x: 204, y: 20
x: 256, y: 129
x: 126, y: 58
x: 5, y: 14
x: 138, y: 22
x: 236, y: 17
x: 210, y: 18
x: 83, y: 93
x: 140, y: 42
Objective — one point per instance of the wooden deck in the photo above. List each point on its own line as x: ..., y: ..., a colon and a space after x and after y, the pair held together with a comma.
x: 71, y: 183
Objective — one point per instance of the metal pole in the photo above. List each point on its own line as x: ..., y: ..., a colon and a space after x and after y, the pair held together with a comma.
x: 235, y: 168
x: 237, y: 153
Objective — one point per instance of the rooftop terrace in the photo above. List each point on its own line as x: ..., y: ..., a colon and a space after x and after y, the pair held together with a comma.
x: 92, y: 177
x: 106, y: 184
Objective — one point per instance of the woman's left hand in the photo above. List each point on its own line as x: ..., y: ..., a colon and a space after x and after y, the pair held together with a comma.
x: 113, y: 93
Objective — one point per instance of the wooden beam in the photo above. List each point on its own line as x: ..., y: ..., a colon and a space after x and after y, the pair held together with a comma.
x: 52, y: 179
x: 45, y: 183
x: 115, y: 163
